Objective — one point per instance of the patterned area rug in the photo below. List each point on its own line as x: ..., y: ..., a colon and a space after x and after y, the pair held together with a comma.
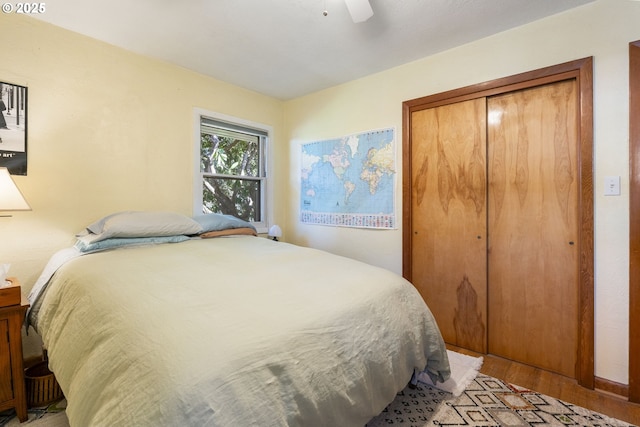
x: 486, y: 401
x: 52, y: 415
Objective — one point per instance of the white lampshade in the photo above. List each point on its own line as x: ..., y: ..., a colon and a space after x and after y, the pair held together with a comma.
x: 11, y: 198
x: 275, y: 231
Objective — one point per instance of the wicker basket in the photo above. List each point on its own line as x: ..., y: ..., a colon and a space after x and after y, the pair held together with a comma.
x: 42, y: 387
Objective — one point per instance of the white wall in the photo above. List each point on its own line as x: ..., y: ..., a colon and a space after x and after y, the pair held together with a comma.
x: 603, y: 30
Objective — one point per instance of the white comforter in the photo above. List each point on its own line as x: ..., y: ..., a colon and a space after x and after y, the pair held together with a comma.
x: 239, y: 331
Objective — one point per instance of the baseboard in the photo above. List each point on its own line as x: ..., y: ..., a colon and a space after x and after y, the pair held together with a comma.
x: 612, y: 387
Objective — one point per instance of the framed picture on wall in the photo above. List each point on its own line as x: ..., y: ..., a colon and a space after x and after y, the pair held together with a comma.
x: 13, y: 128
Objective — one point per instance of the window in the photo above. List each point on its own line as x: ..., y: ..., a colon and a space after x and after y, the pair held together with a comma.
x: 232, y: 176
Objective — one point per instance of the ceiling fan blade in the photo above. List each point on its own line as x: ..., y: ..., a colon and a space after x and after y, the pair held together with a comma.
x: 360, y: 10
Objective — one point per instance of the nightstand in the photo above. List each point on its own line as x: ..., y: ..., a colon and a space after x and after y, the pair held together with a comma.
x: 12, y: 385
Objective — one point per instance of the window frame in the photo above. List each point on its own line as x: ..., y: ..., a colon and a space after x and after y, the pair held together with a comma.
x: 198, y: 177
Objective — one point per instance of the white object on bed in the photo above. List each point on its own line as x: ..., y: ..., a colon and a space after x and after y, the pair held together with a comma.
x: 232, y: 332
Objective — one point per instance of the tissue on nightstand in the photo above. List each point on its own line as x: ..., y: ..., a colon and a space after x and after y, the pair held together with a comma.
x: 9, y: 289
x: 4, y: 269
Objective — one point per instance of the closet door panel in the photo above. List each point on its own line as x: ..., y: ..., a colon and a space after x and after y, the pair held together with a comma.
x: 533, y: 263
x: 449, y: 218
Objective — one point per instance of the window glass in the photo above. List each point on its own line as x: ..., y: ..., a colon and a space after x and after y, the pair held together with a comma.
x: 232, y: 170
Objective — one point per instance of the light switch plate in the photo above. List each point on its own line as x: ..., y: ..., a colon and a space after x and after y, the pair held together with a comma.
x: 611, y: 185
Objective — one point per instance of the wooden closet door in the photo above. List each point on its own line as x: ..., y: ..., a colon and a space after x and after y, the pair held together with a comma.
x: 533, y: 252
x: 448, y: 257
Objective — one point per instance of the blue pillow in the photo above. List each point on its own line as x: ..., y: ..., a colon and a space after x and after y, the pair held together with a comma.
x: 139, y: 224
x: 218, y: 222
x: 126, y: 241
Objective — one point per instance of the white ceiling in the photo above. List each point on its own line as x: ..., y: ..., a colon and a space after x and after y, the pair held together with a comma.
x: 288, y: 48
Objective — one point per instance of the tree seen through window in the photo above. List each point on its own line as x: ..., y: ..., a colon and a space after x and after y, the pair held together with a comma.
x: 232, y: 172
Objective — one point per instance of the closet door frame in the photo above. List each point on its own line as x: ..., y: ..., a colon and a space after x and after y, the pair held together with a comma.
x: 634, y: 221
x: 582, y: 71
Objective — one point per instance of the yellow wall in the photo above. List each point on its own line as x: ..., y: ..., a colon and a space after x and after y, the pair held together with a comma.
x: 108, y: 130
x: 603, y: 30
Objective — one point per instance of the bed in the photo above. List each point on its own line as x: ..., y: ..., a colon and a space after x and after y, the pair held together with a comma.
x: 213, y: 326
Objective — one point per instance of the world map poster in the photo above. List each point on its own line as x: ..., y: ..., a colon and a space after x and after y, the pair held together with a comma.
x: 349, y: 181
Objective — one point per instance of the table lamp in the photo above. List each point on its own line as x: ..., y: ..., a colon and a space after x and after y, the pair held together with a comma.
x: 274, y: 232
x: 11, y: 198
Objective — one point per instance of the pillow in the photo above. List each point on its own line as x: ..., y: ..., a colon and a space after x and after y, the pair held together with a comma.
x: 126, y: 241
x: 139, y: 224
x: 217, y: 222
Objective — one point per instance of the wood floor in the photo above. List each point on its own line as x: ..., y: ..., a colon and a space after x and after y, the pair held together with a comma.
x: 557, y: 386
